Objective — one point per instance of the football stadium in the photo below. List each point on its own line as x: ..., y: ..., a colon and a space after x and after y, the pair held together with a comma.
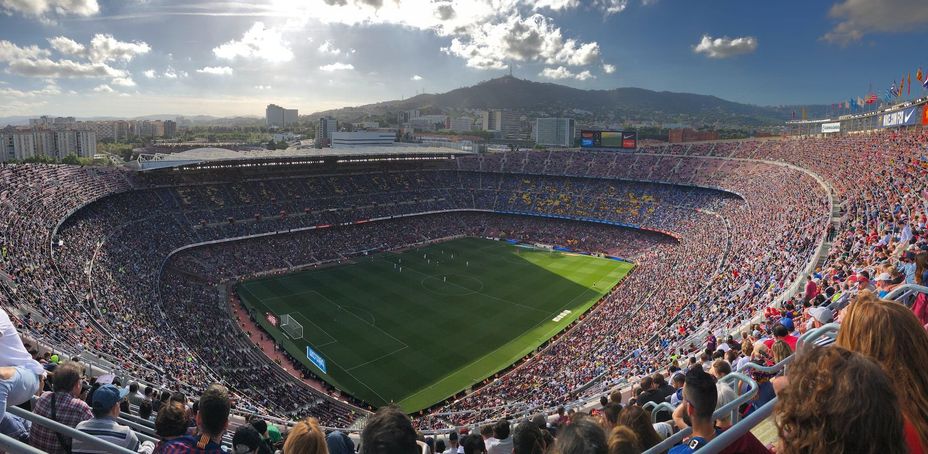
x: 513, y: 267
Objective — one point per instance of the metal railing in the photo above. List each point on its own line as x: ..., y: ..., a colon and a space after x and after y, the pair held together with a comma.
x: 10, y: 444
x: 737, y: 431
x: 906, y: 293
x: 68, y: 431
x: 723, y: 412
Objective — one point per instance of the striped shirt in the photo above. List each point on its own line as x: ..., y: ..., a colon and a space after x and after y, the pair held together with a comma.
x: 107, y: 429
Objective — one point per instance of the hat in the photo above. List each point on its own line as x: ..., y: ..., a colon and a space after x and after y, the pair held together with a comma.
x: 54, y: 359
x: 273, y: 433
x: 788, y: 323
x: 756, y: 333
x: 106, y: 396
x: 246, y: 439
x: 822, y: 314
x: 884, y: 277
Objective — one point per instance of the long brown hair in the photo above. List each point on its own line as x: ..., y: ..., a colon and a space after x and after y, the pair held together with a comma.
x: 623, y: 440
x: 639, y: 421
x: 840, y: 402
x: 306, y: 438
x: 890, y: 333
x: 781, y: 351
x: 921, y: 263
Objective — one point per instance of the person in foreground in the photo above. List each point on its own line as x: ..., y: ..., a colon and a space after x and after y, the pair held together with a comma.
x: 838, y: 402
x: 212, y: 421
x: 890, y: 334
x: 103, y: 425
x: 700, y: 396
x: 389, y: 431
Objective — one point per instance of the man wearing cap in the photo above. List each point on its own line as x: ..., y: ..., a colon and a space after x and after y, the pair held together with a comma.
x: 883, y: 284
x: 821, y: 316
x: 103, y: 425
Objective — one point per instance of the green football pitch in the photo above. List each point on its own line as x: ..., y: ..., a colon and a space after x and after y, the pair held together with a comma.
x: 419, y: 326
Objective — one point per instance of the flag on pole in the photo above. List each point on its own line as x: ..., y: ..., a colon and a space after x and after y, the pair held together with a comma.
x: 918, y: 74
x: 871, y: 98
x: 908, y: 88
x: 925, y: 83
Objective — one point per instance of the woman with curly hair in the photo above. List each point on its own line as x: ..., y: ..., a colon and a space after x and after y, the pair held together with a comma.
x: 890, y: 334
x: 838, y: 402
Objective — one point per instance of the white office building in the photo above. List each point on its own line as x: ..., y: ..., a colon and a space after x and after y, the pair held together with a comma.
x: 17, y: 144
x: 279, y: 117
x: 363, y: 139
x: 555, y: 132
x: 462, y: 124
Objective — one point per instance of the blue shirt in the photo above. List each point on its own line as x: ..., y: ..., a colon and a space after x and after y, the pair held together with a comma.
x: 691, y: 445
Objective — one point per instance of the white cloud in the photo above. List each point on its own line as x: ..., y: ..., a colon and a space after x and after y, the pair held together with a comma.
x: 327, y: 47
x: 262, y: 87
x: 260, y: 43
x: 150, y: 73
x: 859, y: 17
x: 104, y: 48
x: 123, y: 82
x: 104, y: 89
x: 49, y: 90
x: 608, y: 69
x: 66, y: 45
x: 614, y: 6
x: 556, y: 5
x: 337, y: 66
x: 534, y: 38
x: 487, y: 34
x: 44, y: 8
x: 725, y: 47
x: 584, y: 75
x: 561, y: 73
x: 10, y: 51
x: 44, y: 67
x: 171, y: 73
x: 216, y: 70
x: 416, y: 77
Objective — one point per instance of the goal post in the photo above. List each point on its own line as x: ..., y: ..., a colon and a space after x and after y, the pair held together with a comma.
x: 290, y: 326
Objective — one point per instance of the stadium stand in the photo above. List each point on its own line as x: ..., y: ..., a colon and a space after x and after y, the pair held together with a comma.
x: 753, y: 256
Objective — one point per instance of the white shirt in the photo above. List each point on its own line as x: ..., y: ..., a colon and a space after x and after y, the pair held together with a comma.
x: 496, y: 446
x: 12, y: 351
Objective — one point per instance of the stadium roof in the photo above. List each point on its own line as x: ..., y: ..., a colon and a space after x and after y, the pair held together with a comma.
x: 217, y: 155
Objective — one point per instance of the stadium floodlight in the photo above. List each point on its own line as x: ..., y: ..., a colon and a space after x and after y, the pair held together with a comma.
x: 291, y: 327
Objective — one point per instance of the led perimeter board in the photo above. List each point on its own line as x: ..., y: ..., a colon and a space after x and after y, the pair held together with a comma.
x: 609, y: 140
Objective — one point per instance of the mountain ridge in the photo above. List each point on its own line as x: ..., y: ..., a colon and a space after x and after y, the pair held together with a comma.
x: 545, y: 98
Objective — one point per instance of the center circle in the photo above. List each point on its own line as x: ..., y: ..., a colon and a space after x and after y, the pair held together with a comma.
x: 452, y: 284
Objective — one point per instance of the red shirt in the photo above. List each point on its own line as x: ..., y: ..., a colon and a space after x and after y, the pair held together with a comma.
x: 911, y: 438
x: 789, y: 339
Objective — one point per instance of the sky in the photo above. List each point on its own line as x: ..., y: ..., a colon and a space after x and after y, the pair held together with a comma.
x: 128, y: 58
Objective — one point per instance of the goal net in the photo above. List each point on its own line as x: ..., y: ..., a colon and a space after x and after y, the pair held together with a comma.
x: 290, y: 326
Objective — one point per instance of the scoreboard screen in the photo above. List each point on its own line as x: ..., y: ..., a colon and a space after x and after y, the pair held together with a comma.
x: 610, y: 140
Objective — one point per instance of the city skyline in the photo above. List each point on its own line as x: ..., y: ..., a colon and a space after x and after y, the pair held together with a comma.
x: 91, y: 58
